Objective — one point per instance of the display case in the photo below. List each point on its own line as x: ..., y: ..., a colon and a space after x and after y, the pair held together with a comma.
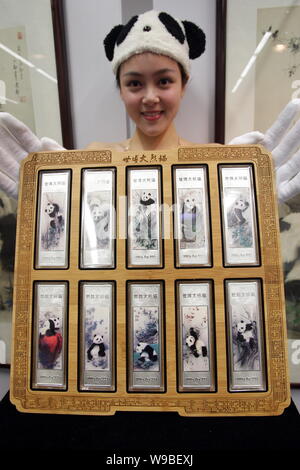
x: 165, y: 295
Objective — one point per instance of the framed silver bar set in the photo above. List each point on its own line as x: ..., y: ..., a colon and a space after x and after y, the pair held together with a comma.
x: 145, y: 298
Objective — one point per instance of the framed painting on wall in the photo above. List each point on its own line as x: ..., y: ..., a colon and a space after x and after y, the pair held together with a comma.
x: 33, y: 88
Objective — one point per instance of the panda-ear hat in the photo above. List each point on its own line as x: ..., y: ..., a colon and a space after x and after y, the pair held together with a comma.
x: 156, y: 32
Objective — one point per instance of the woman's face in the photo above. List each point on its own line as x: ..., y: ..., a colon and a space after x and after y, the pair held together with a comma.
x: 151, y: 88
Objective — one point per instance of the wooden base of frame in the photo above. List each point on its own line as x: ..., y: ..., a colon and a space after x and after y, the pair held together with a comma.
x: 217, y: 400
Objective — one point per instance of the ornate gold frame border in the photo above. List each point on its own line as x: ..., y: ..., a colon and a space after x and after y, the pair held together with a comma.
x: 270, y: 403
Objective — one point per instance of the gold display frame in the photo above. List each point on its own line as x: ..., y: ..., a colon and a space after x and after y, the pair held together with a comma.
x: 218, y: 403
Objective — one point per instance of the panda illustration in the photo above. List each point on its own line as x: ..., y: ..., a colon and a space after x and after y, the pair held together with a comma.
x: 245, y: 333
x: 190, y: 218
x: 235, y: 215
x: 47, y: 328
x: 56, y: 322
x: 245, y: 345
x: 147, y: 199
x: 100, y: 215
x: 97, y: 348
x: 50, y: 344
x: 56, y: 225
x: 52, y: 210
x: 147, y: 353
x: 145, y: 219
x: 195, y: 344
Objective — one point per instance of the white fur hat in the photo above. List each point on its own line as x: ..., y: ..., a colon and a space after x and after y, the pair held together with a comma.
x: 156, y: 32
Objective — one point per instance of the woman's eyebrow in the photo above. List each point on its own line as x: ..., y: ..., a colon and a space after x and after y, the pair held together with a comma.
x: 158, y: 72
x: 166, y: 70
x: 136, y: 74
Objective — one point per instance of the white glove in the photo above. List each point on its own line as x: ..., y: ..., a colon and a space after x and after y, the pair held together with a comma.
x: 16, y: 142
x: 285, y: 149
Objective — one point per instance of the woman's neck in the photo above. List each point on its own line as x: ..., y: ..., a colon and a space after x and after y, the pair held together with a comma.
x: 139, y: 141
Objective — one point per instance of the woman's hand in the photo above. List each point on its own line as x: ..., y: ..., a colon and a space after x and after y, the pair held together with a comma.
x: 284, y: 144
x: 16, y: 142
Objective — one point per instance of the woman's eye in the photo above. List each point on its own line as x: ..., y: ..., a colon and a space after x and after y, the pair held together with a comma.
x: 134, y: 84
x: 164, y: 81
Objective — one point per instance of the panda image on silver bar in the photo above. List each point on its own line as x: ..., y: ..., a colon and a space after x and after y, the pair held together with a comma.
x: 145, y: 220
x: 51, y: 237
x: 146, y: 353
x: 239, y: 218
x: 97, y: 329
x: 145, y: 337
x: 50, y: 343
x: 96, y: 348
x: 246, y: 344
x: 195, y: 338
x: 191, y: 217
x: 195, y: 344
x: 146, y: 346
x: 100, y: 214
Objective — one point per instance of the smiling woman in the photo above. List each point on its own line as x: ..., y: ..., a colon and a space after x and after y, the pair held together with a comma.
x: 150, y: 56
x: 151, y: 88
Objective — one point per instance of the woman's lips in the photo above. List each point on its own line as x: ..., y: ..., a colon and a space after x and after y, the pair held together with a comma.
x: 152, y: 115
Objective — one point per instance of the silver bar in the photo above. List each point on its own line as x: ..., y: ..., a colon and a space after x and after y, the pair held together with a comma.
x: 245, y: 335
x: 145, y: 320
x: 195, y: 336
x: 144, y: 243
x: 53, y: 213
x: 98, y: 218
x: 191, y: 216
x: 49, y: 359
x: 97, y: 336
x: 239, y: 219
